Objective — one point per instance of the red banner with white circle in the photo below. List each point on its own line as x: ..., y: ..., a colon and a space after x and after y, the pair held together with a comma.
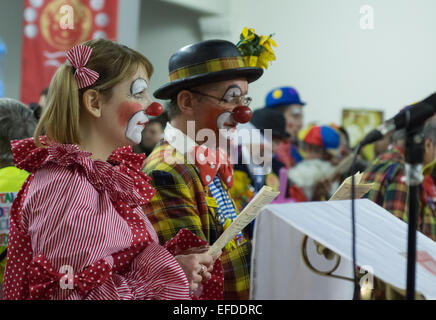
x: 51, y: 28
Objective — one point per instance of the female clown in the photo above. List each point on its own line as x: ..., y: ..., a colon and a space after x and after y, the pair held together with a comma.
x: 77, y: 229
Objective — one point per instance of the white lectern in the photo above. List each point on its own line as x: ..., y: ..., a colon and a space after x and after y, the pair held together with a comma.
x: 278, y: 271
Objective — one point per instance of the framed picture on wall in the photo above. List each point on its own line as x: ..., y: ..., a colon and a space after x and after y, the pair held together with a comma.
x: 358, y: 123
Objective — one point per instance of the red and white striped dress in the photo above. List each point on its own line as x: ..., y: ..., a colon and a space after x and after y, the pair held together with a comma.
x: 84, y: 217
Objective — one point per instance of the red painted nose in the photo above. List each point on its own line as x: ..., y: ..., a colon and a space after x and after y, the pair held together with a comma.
x: 242, y: 114
x: 155, y: 109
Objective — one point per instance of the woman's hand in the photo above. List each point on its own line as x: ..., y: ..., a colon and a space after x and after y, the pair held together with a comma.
x: 197, y: 265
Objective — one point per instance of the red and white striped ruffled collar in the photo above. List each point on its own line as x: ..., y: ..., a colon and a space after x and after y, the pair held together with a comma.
x: 119, y: 175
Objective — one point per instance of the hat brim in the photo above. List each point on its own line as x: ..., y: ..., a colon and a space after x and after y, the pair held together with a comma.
x: 169, y: 90
x: 300, y: 103
x: 281, y: 135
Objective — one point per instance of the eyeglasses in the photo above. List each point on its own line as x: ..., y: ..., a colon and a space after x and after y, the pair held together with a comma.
x: 236, y: 101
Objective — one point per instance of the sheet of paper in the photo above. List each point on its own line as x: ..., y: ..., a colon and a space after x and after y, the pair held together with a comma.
x: 262, y: 198
x: 344, y: 190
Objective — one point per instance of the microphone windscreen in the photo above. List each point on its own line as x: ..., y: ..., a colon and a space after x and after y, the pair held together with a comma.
x: 371, y: 137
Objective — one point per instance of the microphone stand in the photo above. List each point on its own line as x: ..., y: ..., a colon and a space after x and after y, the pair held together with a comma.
x: 414, y: 158
x: 414, y: 178
x: 413, y: 167
x: 356, y: 291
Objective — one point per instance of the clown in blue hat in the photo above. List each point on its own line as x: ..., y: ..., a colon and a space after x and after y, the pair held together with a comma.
x: 286, y: 100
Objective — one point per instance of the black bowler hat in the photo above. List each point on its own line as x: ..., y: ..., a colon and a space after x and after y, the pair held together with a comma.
x: 266, y: 118
x: 205, y: 62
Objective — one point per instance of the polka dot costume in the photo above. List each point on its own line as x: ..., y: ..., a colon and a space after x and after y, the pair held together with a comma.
x: 77, y: 231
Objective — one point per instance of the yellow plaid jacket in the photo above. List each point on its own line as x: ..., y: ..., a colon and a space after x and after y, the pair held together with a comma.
x: 180, y: 202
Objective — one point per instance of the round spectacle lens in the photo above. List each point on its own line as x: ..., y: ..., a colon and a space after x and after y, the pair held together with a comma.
x: 242, y: 100
x: 247, y: 101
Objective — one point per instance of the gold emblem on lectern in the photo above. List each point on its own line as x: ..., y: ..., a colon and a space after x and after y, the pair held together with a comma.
x: 52, y: 31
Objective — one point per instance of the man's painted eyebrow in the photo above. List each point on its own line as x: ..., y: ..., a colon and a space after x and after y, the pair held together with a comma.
x: 232, y: 86
x: 134, y: 82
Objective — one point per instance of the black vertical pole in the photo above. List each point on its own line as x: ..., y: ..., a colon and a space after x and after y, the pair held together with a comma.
x: 414, y: 158
x: 356, y: 291
x: 411, y: 241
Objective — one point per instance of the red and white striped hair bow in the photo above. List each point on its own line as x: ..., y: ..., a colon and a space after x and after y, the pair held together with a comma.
x: 79, y: 56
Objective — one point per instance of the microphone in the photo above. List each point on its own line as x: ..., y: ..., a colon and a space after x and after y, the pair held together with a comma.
x: 412, y: 116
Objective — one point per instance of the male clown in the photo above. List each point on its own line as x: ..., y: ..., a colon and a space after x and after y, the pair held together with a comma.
x: 207, y: 88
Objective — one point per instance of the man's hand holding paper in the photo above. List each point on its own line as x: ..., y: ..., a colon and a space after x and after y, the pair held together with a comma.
x: 263, y: 197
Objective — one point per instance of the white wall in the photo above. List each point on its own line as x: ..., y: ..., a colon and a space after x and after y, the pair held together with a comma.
x: 334, y: 64
x: 128, y: 22
x: 165, y: 28
x: 203, y: 6
x: 11, y: 18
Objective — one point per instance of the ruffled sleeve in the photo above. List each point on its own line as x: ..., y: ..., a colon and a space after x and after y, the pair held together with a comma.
x: 27, y: 156
x: 214, y: 288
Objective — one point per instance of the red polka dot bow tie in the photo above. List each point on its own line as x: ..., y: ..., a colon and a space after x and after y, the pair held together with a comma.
x: 210, y: 162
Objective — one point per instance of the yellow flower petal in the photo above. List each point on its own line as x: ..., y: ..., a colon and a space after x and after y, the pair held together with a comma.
x: 272, y: 42
x: 245, y: 32
x: 268, y: 47
x: 263, y: 39
x: 261, y: 63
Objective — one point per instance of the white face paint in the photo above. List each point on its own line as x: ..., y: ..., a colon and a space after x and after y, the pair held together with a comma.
x: 138, y: 86
x: 137, y: 122
x: 226, y: 125
x: 135, y: 126
x: 232, y: 92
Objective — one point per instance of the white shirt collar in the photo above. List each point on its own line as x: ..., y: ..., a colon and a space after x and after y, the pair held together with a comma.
x: 178, y: 140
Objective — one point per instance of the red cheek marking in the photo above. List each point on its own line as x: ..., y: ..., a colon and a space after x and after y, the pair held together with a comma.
x: 126, y: 110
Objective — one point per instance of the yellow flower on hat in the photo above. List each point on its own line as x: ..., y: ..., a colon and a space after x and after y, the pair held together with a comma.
x: 265, y: 58
x: 267, y: 42
x: 256, y: 50
x: 248, y: 34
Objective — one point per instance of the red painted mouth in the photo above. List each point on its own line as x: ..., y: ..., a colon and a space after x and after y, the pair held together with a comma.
x: 229, y: 125
x: 142, y: 123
